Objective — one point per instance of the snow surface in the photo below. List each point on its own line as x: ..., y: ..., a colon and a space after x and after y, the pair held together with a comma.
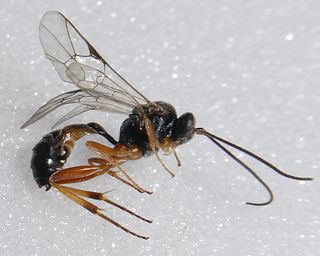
x: 248, y: 70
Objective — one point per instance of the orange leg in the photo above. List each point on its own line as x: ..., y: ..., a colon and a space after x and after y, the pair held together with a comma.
x: 177, y: 158
x: 154, y: 143
x: 103, y: 197
x: 94, y: 161
x: 78, y: 174
x: 82, y: 173
x: 116, y: 156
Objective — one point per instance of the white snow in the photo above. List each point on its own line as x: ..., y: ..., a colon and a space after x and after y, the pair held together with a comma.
x: 248, y: 70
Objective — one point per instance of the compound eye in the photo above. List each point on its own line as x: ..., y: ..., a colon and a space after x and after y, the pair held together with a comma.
x: 187, y: 123
x: 185, y: 128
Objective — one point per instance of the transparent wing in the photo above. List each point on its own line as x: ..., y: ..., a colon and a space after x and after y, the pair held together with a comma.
x: 77, y: 62
x: 84, y: 102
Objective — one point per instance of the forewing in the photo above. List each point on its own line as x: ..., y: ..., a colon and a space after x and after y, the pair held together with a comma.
x: 76, y: 61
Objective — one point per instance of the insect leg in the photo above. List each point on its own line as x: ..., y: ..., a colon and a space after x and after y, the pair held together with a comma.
x: 103, y: 197
x: 94, y: 161
x: 116, y: 156
x: 177, y: 158
x: 78, y: 174
x: 154, y: 143
x: 91, y: 207
x: 96, y: 168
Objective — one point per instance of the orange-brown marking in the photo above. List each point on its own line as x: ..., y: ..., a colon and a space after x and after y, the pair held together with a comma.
x: 73, y: 133
x: 154, y: 143
x: 78, y: 174
x: 75, y: 195
x: 116, y: 156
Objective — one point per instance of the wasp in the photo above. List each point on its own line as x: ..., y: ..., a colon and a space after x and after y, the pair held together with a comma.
x: 150, y: 126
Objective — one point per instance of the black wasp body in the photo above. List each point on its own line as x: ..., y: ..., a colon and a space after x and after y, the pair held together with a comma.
x: 52, y: 151
x: 49, y: 155
x: 169, y: 129
x: 150, y: 127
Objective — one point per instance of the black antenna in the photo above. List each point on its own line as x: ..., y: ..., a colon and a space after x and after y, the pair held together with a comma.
x: 215, y: 139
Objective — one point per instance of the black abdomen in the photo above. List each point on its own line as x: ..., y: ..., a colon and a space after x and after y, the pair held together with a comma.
x: 48, y: 156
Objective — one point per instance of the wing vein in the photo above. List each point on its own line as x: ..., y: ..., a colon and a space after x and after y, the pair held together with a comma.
x: 76, y: 61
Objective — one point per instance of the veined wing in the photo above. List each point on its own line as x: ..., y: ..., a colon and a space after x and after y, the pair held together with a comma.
x: 84, y: 102
x: 77, y: 62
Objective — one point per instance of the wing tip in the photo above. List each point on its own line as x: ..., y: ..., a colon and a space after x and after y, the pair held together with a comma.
x: 51, y: 13
x: 30, y: 121
x: 24, y: 125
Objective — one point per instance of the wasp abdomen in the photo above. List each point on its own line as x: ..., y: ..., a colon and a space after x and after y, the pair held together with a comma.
x: 52, y: 151
x: 49, y: 154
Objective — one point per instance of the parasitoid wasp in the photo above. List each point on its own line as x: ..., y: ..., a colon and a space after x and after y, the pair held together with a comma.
x: 150, y: 126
